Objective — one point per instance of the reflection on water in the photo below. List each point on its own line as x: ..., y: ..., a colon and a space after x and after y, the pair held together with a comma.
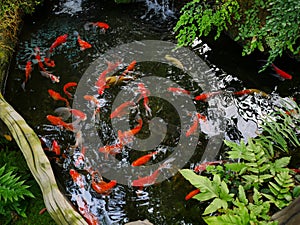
x: 162, y: 203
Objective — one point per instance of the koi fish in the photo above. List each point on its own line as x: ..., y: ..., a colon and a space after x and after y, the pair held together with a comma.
x: 126, y: 136
x: 83, y: 44
x: 102, y: 25
x: 65, y: 113
x: 102, y: 187
x: 55, y: 147
x: 48, y: 62
x: 121, y: 109
x: 28, y: 70
x: 80, y: 158
x: 59, y: 40
x: 52, y: 77
x: 144, y: 94
x: 192, y: 194
x: 174, y: 61
x: 38, y: 58
x: 57, y: 97
x: 90, y: 218
x: 178, y: 90
x: 92, y: 99
x: 202, y: 167
x: 67, y: 86
x: 111, y: 149
x: 144, y: 159
x: 149, y: 180
x: 205, y: 96
x: 281, y: 73
x: 117, y: 80
x: 195, y: 124
x: 57, y: 121
x: 77, y: 178
x: 130, y: 67
x: 78, y: 139
x: 101, y: 82
x: 251, y: 91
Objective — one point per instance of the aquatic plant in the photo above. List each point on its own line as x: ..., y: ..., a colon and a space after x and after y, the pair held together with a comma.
x: 256, y: 181
x: 271, y: 24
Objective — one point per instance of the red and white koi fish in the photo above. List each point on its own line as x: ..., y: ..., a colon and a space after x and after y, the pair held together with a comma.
x: 130, y: 67
x: 127, y: 136
x: 144, y: 159
x: 77, y: 178
x: 194, y: 127
x: 57, y: 121
x: 65, y: 113
x: 59, y: 40
x: 281, y: 73
x: 67, y: 86
x: 96, y: 103
x: 83, y: 209
x: 149, y: 180
x: 205, y: 96
x: 102, y: 187
x: 80, y: 158
x: 202, y: 167
x: 55, y: 147
x: 251, y: 91
x: 121, y: 109
x: 144, y: 94
x: 111, y: 149
x: 28, y: 70
x: 57, y: 97
x: 48, y: 62
x: 192, y: 194
x: 38, y: 58
x: 52, y: 77
x: 179, y: 90
x: 83, y: 44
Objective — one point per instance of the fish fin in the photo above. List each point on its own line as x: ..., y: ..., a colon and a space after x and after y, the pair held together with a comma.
x: 75, y: 33
x: 278, y: 76
x: 63, y: 112
x: 23, y: 86
x: 87, y: 25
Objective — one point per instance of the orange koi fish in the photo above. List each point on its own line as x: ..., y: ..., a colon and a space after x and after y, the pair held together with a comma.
x: 121, y: 109
x: 65, y: 113
x: 126, y: 136
x: 59, y: 40
x: 144, y: 94
x: 251, y: 91
x: 57, y: 97
x: 192, y: 194
x: 101, y: 82
x: 102, y: 25
x: 67, y: 86
x: 57, y: 121
x: 202, y: 167
x: 83, y: 44
x: 28, y: 70
x: 149, y: 180
x: 178, y: 90
x: 281, y: 73
x: 144, y: 159
x: 90, y: 218
x: 48, y: 62
x: 55, y: 147
x: 205, y: 96
x: 102, y: 187
x: 38, y: 58
x: 111, y: 149
x: 195, y: 124
x: 77, y: 178
x: 52, y: 77
x: 130, y: 67
x: 92, y: 99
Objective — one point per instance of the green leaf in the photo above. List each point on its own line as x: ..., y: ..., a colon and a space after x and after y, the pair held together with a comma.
x: 215, y: 205
x: 242, y: 195
x: 296, y: 191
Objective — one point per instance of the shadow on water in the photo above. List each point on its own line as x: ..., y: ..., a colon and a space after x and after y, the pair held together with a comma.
x: 162, y: 203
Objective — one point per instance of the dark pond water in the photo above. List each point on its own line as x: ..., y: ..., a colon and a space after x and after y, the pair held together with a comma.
x: 162, y: 203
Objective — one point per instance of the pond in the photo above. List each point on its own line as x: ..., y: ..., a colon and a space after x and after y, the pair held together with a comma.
x: 170, y: 124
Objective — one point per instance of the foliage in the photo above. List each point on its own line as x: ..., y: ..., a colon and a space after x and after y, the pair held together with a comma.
x: 271, y: 24
x: 256, y: 179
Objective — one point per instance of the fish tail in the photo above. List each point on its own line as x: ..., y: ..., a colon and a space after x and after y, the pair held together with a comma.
x: 87, y: 25
x: 23, y: 86
x: 63, y: 112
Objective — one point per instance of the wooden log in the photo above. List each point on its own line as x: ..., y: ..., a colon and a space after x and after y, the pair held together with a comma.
x: 57, y: 204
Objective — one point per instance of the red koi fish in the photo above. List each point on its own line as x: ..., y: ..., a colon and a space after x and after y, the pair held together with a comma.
x: 144, y: 159
x: 281, y: 73
x: 48, y: 62
x: 149, y: 180
x: 127, y: 136
x: 205, y: 96
x: 28, y: 70
x: 101, y: 82
x: 77, y: 178
x: 90, y: 218
x: 38, y: 58
x: 83, y: 44
x: 195, y: 124
x: 55, y: 147
x: 65, y: 113
x: 121, y: 109
x: 102, y: 187
x: 52, y: 77
x: 178, y: 90
x: 57, y: 97
x: 202, y: 167
x: 251, y: 91
x: 59, y: 40
x: 101, y: 25
x: 78, y: 139
x: 111, y: 149
x: 144, y: 94
x: 92, y: 99
x: 130, y: 67
x: 67, y: 86
x: 57, y: 121
x: 192, y: 194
